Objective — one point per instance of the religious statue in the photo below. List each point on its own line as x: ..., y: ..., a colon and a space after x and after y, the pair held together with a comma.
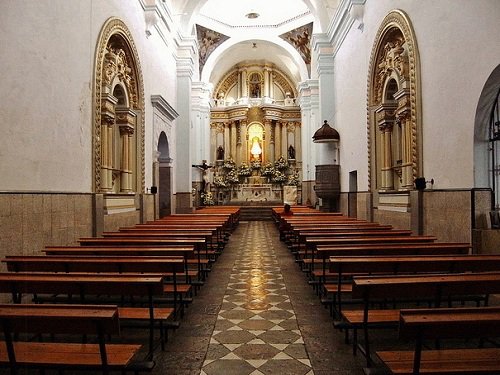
x: 220, y: 153
x: 291, y: 152
x: 205, y: 183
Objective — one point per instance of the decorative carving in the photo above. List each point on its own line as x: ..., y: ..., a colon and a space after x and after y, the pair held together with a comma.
x: 227, y: 83
x: 238, y: 133
x: 116, y: 56
x: 394, y: 54
x: 290, y: 127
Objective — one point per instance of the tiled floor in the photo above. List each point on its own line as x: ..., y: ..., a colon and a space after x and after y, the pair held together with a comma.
x: 256, y: 314
x: 256, y: 331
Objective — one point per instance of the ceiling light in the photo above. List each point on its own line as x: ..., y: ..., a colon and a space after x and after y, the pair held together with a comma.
x: 252, y: 15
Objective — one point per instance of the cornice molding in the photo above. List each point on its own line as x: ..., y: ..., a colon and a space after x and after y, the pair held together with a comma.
x: 164, y: 107
x: 347, y: 12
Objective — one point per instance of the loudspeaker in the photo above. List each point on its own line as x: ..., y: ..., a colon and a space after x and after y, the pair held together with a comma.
x: 420, y: 183
x: 154, y: 189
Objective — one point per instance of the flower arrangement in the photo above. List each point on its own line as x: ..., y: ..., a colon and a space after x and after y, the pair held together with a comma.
x: 278, y: 177
x: 244, y: 170
x: 267, y: 170
x: 207, y: 199
x: 232, y: 177
x: 280, y: 164
x: 293, y: 179
x: 229, y: 164
x: 255, y: 164
x: 219, y: 182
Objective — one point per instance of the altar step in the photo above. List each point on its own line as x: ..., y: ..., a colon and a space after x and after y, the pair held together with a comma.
x: 252, y: 213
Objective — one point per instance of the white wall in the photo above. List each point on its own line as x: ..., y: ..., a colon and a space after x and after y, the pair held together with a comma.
x: 458, y: 51
x: 47, y: 64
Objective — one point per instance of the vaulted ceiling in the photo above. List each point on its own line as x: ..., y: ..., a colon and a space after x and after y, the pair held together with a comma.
x: 253, y: 30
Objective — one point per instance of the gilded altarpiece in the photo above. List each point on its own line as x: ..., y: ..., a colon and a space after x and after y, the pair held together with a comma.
x: 394, y: 115
x: 118, y: 115
x: 255, y: 123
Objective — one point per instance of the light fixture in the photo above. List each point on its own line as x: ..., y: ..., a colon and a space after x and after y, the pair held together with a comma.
x: 326, y: 134
x: 252, y: 15
x: 254, y: 46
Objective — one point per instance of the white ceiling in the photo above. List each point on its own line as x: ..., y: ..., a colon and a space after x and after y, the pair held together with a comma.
x: 275, y: 18
x: 271, y: 12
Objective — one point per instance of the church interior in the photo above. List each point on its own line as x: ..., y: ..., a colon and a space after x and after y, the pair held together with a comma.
x: 141, y: 113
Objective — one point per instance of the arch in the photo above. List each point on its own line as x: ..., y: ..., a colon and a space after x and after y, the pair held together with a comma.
x: 395, y: 159
x: 163, y: 148
x: 165, y: 184
x: 280, y: 45
x: 482, y: 145
x: 118, y: 122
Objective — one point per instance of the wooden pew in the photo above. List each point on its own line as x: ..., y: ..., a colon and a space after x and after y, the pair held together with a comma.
x: 320, y: 277
x: 407, y: 264
x: 210, y: 251
x: 79, y: 287
x: 187, y: 252
x: 307, y: 239
x: 372, y: 238
x: 166, y: 266
x: 438, y: 288
x: 217, y: 230
x: 200, y: 244
x: 100, y: 321
x: 436, y: 324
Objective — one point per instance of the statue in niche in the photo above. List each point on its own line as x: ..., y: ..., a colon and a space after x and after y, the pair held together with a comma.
x: 254, y: 86
x: 291, y: 152
x: 220, y: 153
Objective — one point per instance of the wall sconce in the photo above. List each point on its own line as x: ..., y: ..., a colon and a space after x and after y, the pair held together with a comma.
x: 421, y: 183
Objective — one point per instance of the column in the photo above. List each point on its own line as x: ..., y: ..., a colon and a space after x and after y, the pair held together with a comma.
x: 125, y: 171
x: 277, y: 140
x: 183, y: 134
x: 213, y: 141
x: 126, y: 120
x: 284, y: 140
x: 233, y: 140
x: 298, y: 142
x: 244, y: 89
x: 407, y: 175
x: 106, y: 153
x: 387, y: 173
x: 227, y: 141
x: 244, y: 140
x: 271, y: 83
x: 266, y: 82
x: 108, y: 115
x: 272, y: 141
x: 267, y: 139
x: 239, y: 156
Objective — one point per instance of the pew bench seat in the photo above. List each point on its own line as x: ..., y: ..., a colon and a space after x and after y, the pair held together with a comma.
x: 57, y: 355
x: 444, y: 361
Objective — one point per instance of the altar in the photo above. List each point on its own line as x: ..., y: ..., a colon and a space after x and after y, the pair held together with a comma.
x: 256, y: 193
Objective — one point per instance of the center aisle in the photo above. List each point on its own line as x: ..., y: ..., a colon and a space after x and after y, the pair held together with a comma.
x: 256, y: 330
x: 255, y: 315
